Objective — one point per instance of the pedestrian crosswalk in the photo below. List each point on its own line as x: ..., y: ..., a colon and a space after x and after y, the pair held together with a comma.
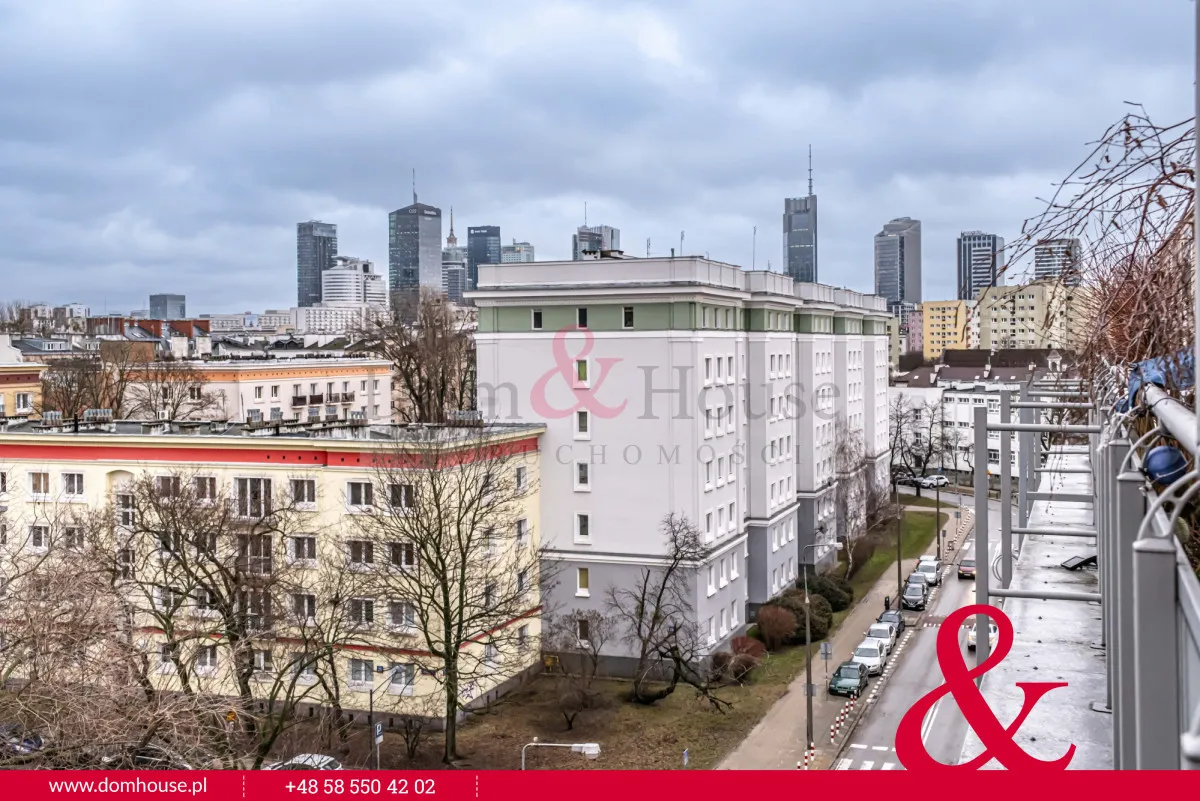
x: 868, y: 757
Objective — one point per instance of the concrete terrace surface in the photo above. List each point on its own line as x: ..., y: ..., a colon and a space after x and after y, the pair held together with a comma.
x: 1054, y: 640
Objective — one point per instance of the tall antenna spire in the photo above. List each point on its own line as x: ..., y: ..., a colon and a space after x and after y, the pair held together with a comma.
x: 810, y: 171
x: 451, y: 240
x: 414, y: 186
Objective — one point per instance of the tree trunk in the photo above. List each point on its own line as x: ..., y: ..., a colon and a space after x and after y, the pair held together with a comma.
x: 451, y: 751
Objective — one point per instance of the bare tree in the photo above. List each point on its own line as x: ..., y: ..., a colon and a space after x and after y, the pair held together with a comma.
x: 171, y: 389
x: 454, y: 557
x: 658, y: 619
x: 578, y: 638
x: 76, y: 384
x: 918, y: 436
x: 432, y: 354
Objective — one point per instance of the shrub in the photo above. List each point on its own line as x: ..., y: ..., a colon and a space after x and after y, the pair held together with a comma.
x: 825, y: 585
x: 777, y: 625
x: 821, y: 609
x: 861, y: 551
x: 747, y: 646
x: 741, y: 665
x: 843, y: 584
x: 820, y: 627
x: 720, y: 664
x: 754, y: 633
x: 822, y: 613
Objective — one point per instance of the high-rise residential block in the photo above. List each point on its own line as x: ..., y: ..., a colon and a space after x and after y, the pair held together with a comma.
x: 353, y: 281
x: 516, y: 253
x: 898, y: 261
x: 316, y: 248
x: 690, y: 386
x: 1057, y: 259
x: 1041, y: 314
x: 168, y: 307
x: 947, y: 325
x: 980, y: 260
x: 415, y: 248
x: 483, y: 247
x: 596, y: 238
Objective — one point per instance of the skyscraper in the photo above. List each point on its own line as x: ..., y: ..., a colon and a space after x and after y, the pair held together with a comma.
x: 800, y: 233
x: 483, y: 247
x: 898, y: 261
x: 316, y: 247
x: 516, y: 253
x: 980, y: 257
x: 596, y: 237
x: 415, y: 247
x: 168, y: 307
x: 1057, y: 259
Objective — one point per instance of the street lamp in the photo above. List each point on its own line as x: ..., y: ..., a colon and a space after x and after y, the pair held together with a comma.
x: 808, y: 689
x: 589, y: 750
x: 371, y: 709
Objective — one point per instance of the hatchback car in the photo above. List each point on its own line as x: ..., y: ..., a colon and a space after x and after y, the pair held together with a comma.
x: 913, y: 597
x: 931, y: 569
x: 966, y: 569
x: 885, y: 633
x: 993, y: 633
x: 15, y: 739
x: 308, y: 762
x: 894, y: 617
x: 849, y: 679
x: 920, y: 579
x: 869, y: 654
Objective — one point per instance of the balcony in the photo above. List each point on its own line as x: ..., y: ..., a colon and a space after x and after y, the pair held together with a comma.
x: 335, y: 397
x: 347, y: 397
x: 316, y: 400
x: 299, y: 400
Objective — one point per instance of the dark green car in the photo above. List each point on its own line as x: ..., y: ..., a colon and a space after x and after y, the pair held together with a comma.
x: 850, y: 678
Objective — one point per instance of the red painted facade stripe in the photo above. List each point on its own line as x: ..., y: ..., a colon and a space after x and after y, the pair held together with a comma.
x: 206, y: 455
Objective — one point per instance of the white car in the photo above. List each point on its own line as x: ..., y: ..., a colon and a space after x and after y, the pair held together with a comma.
x: 929, y: 482
x: 993, y: 633
x: 870, y: 654
x: 931, y: 569
x: 885, y: 633
x: 308, y: 762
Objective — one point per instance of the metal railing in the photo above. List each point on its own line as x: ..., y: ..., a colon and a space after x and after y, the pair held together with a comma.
x: 1149, y: 593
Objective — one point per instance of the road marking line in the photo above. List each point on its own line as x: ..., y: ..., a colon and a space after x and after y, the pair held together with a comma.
x: 880, y: 748
x: 857, y: 745
x: 842, y: 764
x: 887, y: 766
x: 867, y: 765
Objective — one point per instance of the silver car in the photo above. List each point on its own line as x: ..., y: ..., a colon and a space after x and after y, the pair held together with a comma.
x: 931, y: 569
x: 870, y: 654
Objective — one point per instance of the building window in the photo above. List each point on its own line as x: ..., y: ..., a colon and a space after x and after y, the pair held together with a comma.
x: 304, y: 491
x: 362, y: 611
x: 275, y: 391
x: 39, y: 484
x: 39, y: 536
x: 205, y: 488
x: 258, y: 393
x: 627, y: 317
x: 73, y: 538
x: 581, y: 317
x: 402, y: 615
x: 536, y: 323
x: 491, y: 654
x: 403, y: 554
x: 522, y: 636
x: 522, y: 479
x: 304, y: 607
x: 581, y: 582
x: 581, y: 371
x: 993, y: 455
x: 206, y: 658
x: 360, y: 494
x: 72, y: 483
x: 254, y: 497
x: 304, y: 547
x: 403, y: 679
x: 362, y: 552
x: 522, y: 533
x: 24, y: 401
x: 582, y: 422
x: 583, y: 527
x: 255, y: 553
x: 362, y: 671
x: 125, y: 563
x: 583, y: 477
x: 3, y: 482
x: 400, y: 496
x: 583, y: 630
x: 708, y: 369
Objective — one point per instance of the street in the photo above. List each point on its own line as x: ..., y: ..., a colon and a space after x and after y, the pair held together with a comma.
x: 913, y: 672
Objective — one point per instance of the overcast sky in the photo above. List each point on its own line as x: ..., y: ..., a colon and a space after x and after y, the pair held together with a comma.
x: 150, y: 146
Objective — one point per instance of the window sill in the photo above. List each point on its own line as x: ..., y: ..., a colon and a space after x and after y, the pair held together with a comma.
x: 404, y: 690
x: 405, y: 630
x: 304, y: 563
x: 583, y: 487
x: 360, y: 510
x: 359, y: 686
x: 583, y: 541
x: 206, y: 671
x: 711, y: 591
x: 582, y: 594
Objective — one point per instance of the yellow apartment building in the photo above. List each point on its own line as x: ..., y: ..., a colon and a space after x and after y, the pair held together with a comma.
x: 286, y: 515
x: 1042, y: 314
x: 20, y: 389
x: 947, y: 325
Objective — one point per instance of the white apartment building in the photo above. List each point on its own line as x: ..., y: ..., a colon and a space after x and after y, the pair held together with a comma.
x: 352, y: 282
x: 689, y: 386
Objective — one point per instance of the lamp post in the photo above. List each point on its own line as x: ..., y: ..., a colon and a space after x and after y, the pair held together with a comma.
x: 589, y: 750
x: 808, y: 688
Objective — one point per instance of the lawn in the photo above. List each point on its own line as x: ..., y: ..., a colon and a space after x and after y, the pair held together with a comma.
x: 655, y: 737
x: 924, y: 500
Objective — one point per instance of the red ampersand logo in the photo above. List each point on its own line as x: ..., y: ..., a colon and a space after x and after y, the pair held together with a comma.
x: 565, y: 366
x: 960, y: 682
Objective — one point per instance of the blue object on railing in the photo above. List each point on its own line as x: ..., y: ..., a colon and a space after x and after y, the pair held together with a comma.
x: 1174, y: 372
x: 1164, y: 465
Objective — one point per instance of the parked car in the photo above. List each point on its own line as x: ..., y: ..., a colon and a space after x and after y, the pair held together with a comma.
x: 920, y: 579
x: 885, y: 633
x: 850, y: 678
x: 993, y: 633
x: 966, y: 569
x: 913, y: 597
x: 869, y: 654
x: 308, y: 762
x: 894, y: 617
x: 147, y: 757
x: 16, y: 740
x: 931, y: 569
x: 929, y: 482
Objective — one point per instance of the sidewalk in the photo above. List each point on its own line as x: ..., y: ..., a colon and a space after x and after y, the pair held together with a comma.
x: 777, y: 742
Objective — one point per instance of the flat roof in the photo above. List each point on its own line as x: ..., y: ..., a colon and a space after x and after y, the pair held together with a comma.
x: 1054, y: 640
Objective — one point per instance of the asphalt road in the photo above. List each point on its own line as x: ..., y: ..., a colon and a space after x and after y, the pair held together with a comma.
x: 913, y: 672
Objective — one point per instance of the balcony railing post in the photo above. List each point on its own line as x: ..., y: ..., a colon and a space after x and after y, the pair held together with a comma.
x: 1024, y: 467
x: 1128, y: 509
x: 1005, y: 494
x: 1155, y: 654
x: 983, y: 561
